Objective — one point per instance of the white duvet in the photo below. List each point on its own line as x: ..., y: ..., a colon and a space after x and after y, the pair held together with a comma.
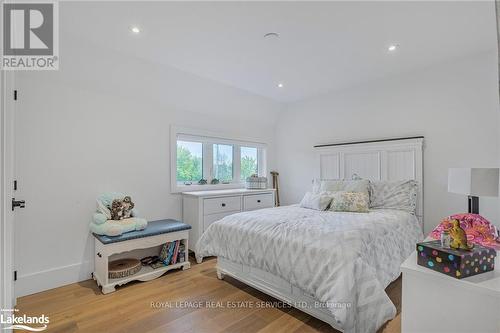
x: 343, y: 259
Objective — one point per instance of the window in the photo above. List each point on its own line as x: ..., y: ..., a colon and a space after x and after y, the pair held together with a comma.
x: 222, y: 163
x: 189, y: 161
x: 202, y: 161
x: 249, y: 162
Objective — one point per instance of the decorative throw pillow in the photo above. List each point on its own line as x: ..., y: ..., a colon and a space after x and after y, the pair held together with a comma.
x: 330, y: 185
x: 400, y: 195
x: 343, y: 201
x: 317, y: 201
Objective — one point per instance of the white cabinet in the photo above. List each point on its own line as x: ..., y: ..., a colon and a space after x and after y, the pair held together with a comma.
x: 435, y: 302
x: 201, y: 208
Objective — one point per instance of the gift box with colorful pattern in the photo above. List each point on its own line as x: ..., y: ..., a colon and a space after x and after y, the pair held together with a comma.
x: 456, y: 263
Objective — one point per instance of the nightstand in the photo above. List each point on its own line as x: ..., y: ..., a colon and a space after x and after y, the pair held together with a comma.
x: 434, y: 302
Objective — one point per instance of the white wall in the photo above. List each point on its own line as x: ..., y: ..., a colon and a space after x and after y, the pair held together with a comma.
x: 101, y: 123
x: 454, y: 105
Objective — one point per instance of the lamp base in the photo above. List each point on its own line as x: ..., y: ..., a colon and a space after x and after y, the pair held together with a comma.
x: 473, y: 204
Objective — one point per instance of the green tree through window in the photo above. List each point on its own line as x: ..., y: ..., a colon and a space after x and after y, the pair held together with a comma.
x: 249, y: 165
x: 189, y: 161
x: 223, y: 162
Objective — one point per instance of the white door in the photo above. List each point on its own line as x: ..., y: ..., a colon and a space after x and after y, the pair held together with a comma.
x: 7, y: 294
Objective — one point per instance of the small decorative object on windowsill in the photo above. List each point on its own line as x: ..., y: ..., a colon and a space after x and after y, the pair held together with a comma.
x: 214, y: 181
x: 256, y: 182
x: 202, y: 182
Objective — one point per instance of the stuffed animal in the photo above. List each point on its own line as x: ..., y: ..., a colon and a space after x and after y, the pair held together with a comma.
x: 116, y: 214
x: 122, y: 208
x: 128, y: 206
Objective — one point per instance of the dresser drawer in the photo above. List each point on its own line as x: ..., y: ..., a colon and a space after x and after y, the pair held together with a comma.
x: 258, y: 201
x: 221, y: 205
x: 209, y: 219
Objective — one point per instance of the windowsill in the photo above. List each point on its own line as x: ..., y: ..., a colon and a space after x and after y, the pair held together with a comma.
x: 207, y: 187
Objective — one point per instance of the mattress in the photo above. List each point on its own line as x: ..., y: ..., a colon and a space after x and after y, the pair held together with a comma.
x: 345, y: 260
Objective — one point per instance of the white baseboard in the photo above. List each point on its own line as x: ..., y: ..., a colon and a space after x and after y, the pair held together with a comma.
x: 52, y: 278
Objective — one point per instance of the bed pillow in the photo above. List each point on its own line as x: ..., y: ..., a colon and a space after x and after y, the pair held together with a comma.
x: 330, y: 185
x: 343, y: 201
x: 400, y: 195
x: 317, y: 201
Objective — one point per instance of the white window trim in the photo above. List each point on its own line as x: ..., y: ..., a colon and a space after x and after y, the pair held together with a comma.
x: 191, y: 134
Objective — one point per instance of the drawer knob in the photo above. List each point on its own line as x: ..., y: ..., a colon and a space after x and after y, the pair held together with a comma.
x: 223, y: 204
x: 258, y: 201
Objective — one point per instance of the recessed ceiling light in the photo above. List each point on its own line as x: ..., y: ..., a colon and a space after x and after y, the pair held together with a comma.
x: 271, y: 35
x: 135, y: 30
x: 280, y: 85
x: 393, y: 47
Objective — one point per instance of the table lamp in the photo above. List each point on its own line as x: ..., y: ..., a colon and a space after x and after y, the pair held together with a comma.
x: 473, y: 182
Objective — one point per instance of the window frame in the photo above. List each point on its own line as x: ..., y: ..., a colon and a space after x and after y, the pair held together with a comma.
x: 208, y: 139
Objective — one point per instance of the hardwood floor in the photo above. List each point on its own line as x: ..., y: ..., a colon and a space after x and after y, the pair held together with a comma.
x: 176, y: 302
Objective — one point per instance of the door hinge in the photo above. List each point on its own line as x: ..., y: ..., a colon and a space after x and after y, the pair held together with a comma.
x: 18, y: 203
x: 15, y: 185
x: 15, y: 275
x: 15, y: 95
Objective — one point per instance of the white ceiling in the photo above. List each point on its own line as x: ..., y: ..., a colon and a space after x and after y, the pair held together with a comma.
x: 323, y: 46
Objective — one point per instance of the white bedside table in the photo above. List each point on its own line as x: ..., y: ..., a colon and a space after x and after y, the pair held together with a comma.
x: 434, y: 302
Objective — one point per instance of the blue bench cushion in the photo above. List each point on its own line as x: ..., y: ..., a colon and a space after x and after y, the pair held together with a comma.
x: 154, y: 228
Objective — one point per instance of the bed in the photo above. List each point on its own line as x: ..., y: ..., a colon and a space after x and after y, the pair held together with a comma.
x: 332, y: 265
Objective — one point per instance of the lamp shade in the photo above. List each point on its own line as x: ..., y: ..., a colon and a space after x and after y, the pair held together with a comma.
x: 473, y: 181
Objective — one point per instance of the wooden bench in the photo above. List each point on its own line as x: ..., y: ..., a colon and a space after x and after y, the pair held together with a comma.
x: 138, y: 244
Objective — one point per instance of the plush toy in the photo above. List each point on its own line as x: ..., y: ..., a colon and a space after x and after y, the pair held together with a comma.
x: 116, y: 215
x: 121, y: 208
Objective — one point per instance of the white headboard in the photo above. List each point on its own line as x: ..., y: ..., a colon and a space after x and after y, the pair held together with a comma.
x: 389, y: 159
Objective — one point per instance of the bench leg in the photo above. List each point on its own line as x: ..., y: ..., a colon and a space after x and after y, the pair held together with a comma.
x: 108, y: 289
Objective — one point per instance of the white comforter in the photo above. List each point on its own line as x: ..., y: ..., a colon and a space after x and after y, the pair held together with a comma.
x: 343, y: 259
